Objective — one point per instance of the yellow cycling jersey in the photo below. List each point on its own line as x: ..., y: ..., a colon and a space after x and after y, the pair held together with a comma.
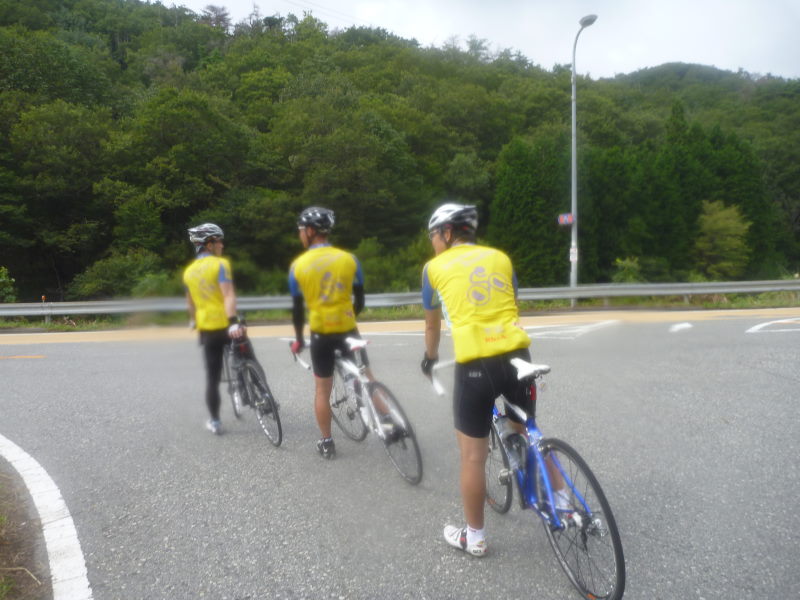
x: 324, y: 276
x: 477, y: 288
x: 202, y: 279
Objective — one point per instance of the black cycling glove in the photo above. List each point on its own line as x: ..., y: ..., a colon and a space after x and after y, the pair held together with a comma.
x: 427, y: 365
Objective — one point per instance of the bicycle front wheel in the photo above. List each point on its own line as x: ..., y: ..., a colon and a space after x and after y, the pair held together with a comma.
x: 400, y: 441
x: 498, y: 475
x: 262, y: 401
x: 589, y: 547
x: 345, y: 403
x: 234, y: 387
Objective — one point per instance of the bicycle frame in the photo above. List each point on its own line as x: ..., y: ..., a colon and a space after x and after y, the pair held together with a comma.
x: 358, y: 369
x: 526, y: 477
x: 236, y: 356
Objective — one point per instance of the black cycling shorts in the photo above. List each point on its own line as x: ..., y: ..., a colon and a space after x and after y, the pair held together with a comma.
x: 478, y: 383
x: 324, y: 347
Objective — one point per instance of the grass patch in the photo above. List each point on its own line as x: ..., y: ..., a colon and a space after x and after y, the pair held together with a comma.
x: 6, y: 587
x: 20, y: 575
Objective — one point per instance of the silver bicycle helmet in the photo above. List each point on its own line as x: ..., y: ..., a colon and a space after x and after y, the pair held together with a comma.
x: 202, y: 233
x: 458, y: 216
x: 321, y: 219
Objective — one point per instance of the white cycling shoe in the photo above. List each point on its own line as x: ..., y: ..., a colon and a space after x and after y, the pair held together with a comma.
x: 457, y: 538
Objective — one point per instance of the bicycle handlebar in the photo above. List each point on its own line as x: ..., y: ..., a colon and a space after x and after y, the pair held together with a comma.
x: 524, y: 368
x: 298, y: 360
x: 437, y: 387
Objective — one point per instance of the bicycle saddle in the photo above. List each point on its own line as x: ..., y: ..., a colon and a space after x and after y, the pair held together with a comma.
x: 526, y: 369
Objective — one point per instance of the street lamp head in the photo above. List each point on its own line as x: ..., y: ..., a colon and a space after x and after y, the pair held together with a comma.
x: 587, y: 20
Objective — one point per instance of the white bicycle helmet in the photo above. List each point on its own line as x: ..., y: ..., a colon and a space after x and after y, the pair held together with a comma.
x: 202, y: 233
x: 458, y: 216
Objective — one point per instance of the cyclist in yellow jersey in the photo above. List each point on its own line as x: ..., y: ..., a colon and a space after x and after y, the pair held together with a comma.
x: 331, y: 283
x: 475, y: 287
x: 211, y: 298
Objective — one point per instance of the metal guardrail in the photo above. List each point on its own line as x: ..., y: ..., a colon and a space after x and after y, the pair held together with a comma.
x: 248, y: 303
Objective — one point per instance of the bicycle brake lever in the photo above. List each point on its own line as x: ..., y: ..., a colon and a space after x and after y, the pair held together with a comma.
x: 301, y: 362
x: 437, y: 387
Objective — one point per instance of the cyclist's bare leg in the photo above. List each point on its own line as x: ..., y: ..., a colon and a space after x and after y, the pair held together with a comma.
x: 473, y: 477
x: 556, y: 479
x: 376, y: 398
x: 322, y: 406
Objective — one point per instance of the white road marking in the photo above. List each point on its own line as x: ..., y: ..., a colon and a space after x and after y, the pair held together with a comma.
x: 762, y: 327
x: 566, y: 332
x: 680, y: 327
x: 67, y: 565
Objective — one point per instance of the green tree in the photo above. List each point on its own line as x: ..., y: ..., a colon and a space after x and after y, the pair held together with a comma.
x: 178, y: 154
x: 116, y: 275
x: 721, y: 248
x: 610, y: 222
x: 469, y: 178
x: 7, y: 291
x: 348, y: 157
x: 41, y: 64
x: 532, y: 187
x: 627, y: 270
x: 58, y: 151
x: 741, y: 183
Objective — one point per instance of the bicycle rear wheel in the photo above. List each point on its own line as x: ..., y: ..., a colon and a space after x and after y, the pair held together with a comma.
x: 229, y: 377
x: 498, y: 475
x: 345, y: 403
x: 589, y: 548
x: 400, y: 441
x: 262, y: 401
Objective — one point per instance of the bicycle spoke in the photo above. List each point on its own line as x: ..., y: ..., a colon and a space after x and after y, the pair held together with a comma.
x: 498, y: 475
x: 399, y: 439
x: 345, y: 402
x: 263, y: 402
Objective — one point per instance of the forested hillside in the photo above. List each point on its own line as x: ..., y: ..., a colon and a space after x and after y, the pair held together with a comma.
x: 123, y: 123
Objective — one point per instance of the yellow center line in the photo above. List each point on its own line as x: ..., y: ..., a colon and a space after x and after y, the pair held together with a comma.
x: 22, y: 356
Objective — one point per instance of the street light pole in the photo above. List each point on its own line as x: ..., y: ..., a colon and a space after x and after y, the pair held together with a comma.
x: 573, y: 249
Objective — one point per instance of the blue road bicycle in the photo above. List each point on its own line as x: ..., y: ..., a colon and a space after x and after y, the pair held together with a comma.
x: 556, y: 485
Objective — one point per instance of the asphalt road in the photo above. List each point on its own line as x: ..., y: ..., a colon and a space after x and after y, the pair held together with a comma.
x: 692, y: 431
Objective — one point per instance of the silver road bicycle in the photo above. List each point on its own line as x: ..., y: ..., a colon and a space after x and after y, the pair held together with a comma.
x: 360, y: 405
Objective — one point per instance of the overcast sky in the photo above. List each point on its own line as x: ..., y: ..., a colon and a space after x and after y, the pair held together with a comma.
x: 759, y: 36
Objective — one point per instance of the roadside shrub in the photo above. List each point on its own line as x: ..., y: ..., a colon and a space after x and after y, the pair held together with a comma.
x: 627, y: 270
x: 116, y: 275
x: 7, y: 291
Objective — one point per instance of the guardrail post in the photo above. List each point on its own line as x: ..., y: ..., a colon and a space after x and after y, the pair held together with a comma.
x: 45, y: 310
